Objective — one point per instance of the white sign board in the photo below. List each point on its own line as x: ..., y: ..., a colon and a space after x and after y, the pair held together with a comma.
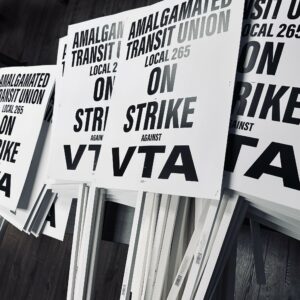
x: 170, y: 108
x: 24, y: 95
x: 83, y: 99
x: 264, y: 149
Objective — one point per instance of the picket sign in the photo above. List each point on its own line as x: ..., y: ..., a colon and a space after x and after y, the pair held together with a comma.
x: 25, y: 94
x: 82, y: 106
x: 37, y: 197
x: 263, y: 160
x: 159, y: 119
x: 187, y: 167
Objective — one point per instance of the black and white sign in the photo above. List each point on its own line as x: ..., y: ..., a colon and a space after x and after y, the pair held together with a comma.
x: 263, y: 158
x: 24, y: 95
x: 170, y: 109
x: 83, y: 99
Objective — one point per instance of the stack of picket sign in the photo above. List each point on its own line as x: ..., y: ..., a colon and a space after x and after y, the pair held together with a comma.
x: 141, y: 113
x: 25, y: 96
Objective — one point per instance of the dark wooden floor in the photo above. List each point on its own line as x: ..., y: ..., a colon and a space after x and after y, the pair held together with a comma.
x: 33, y: 268
x: 282, y: 267
x: 38, y: 268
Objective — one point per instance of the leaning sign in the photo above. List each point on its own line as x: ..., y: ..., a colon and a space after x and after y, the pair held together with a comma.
x: 263, y: 151
x: 24, y: 95
x: 82, y: 103
x: 170, y: 107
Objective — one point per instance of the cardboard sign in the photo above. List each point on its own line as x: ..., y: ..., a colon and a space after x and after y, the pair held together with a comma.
x: 24, y: 95
x: 82, y: 102
x: 264, y: 149
x: 170, y: 109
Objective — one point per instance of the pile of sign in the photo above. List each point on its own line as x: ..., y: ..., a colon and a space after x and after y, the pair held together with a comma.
x: 141, y: 111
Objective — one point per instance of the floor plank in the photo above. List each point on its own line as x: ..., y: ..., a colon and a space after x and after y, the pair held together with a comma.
x: 282, y: 267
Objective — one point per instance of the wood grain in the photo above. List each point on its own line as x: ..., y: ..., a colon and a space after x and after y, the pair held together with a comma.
x: 282, y: 267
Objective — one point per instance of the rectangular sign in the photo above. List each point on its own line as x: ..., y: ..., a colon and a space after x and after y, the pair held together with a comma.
x: 24, y: 95
x: 170, y: 107
x: 263, y: 156
x: 83, y: 97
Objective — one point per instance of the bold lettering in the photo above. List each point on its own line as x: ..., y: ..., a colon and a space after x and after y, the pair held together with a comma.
x: 119, y: 169
x: 77, y: 127
x: 234, y: 146
x: 186, y: 112
x: 150, y: 152
x: 288, y: 170
x: 292, y: 104
x: 72, y: 164
x: 273, y: 101
x: 187, y: 168
x: 130, y: 110
x: 5, y: 184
